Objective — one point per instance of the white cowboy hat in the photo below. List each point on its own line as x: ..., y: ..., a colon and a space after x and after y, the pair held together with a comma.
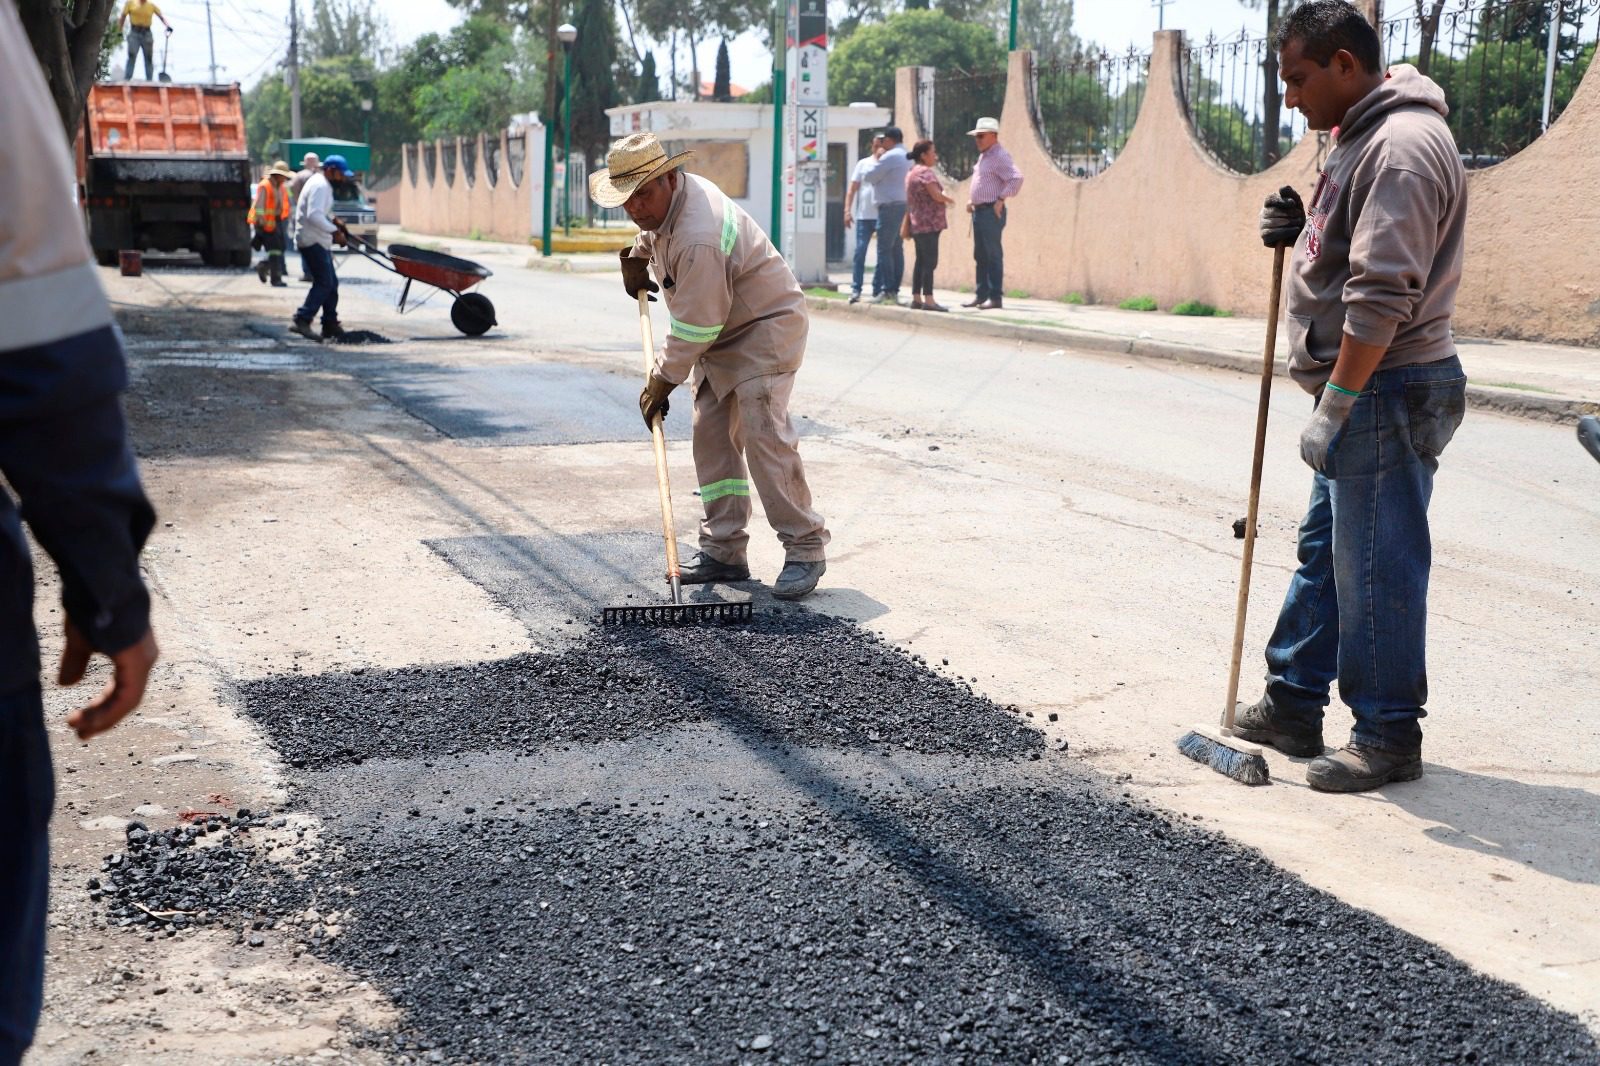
x: 985, y: 125
x: 312, y: 161
x: 632, y: 161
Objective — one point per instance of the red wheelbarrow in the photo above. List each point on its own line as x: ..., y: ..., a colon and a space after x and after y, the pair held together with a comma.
x: 471, y: 312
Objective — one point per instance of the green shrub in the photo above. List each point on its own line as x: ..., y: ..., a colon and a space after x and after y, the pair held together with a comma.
x: 1016, y: 294
x: 1195, y: 308
x: 1075, y: 298
x: 1138, y: 303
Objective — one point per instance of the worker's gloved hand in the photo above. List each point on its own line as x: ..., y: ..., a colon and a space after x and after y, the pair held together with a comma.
x: 636, y: 275
x: 653, y: 400
x: 1317, y: 439
x: 1283, y: 216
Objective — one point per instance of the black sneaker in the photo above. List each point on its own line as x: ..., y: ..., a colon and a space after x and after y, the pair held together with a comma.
x: 303, y: 327
x: 1358, y: 768
x: 798, y: 579
x: 704, y: 570
x: 1257, y: 723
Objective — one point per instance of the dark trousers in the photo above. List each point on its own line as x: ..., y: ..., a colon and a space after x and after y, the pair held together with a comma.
x: 140, y: 39
x: 891, y: 250
x: 27, y: 792
x: 926, y: 263
x: 273, y: 244
x: 324, y: 294
x: 988, y: 252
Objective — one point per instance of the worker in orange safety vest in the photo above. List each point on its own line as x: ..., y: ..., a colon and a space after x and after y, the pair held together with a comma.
x: 269, y: 214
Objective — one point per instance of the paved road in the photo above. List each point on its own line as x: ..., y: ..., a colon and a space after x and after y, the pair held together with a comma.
x: 1050, y: 529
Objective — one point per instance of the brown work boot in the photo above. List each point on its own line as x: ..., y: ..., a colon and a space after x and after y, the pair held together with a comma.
x: 302, y: 326
x: 704, y: 570
x: 1261, y: 723
x: 1358, y: 768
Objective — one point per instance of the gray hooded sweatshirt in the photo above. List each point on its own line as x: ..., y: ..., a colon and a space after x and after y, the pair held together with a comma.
x: 1380, y: 256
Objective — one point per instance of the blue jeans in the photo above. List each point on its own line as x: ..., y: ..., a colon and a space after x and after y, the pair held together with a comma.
x: 1357, y: 607
x: 865, y: 228
x: 988, y: 254
x: 891, y: 252
x: 140, y: 39
x: 324, y: 294
x: 27, y: 792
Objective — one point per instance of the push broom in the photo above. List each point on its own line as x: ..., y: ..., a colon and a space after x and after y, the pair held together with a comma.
x: 677, y: 612
x: 1218, y: 748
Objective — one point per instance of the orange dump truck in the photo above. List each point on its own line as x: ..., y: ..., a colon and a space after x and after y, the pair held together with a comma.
x: 164, y: 168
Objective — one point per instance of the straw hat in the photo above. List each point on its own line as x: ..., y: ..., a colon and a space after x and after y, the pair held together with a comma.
x: 985, y: 125
x: 280, y: 169
x: 632, y: 161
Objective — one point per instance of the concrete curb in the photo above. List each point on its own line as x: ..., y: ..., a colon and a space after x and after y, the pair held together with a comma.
x: 1543, y: 407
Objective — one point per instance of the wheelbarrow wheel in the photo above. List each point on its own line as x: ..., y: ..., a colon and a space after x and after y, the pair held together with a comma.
x: 472, y: 314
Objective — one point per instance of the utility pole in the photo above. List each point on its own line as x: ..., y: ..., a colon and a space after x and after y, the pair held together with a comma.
x: 294, y: 68
x: 780, y: 83
x: 549, y: 130
x: 212, y: 41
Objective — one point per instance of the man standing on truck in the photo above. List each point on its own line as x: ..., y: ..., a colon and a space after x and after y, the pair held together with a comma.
x: 269, y: 214
x: 141, y: 13
x: 316, y: 231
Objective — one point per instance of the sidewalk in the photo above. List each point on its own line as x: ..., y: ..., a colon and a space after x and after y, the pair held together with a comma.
x: 1550, y: 382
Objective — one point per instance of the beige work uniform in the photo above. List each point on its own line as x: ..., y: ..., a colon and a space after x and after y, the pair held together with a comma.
x: 738, y: 334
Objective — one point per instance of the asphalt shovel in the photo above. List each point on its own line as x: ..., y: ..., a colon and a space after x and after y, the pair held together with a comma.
x: 677, y: 612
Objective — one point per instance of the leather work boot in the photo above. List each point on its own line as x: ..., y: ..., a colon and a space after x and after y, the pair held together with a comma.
x: 303, y: 327
x: 1256, y: 723
x: 798, y: 579
x: 332, y: 331
x: 704, y: 570
x: 261, y: 271
x: 1358, y: 768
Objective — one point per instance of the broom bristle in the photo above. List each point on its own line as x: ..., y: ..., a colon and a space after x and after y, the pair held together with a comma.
x: 1246, y: 767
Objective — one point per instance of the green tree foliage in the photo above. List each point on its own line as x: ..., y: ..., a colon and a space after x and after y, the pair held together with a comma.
x: 1496, y: 93
x: 722, y: 84
x: 594, y: 83
x: 1045, y: 26
x: 649, y: 87
x: 67, y: 38
x: 698, y: 20
x: 345, y: 28
x: 862, y: 68
x: 481, y: 93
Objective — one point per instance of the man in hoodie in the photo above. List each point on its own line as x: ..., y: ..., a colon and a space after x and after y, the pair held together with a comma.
x: 1372, y: 284
x: 72, y: 478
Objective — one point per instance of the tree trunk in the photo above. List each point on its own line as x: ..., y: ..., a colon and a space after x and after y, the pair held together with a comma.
x: 1271, y: 95
x: 694, y: 63
x: 674, y: 64
x: 68, y: 49
x: 1429, y: 21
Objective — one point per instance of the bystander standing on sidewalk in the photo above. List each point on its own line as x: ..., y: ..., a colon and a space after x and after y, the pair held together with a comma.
x: 861, y: 213
x: 887, y: 176
x: 927, y: 211
x: 138, y: 15
x: 64, y: 453
x: 995, y: 180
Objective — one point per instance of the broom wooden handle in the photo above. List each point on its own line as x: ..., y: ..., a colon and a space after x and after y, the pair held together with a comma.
x: 659, y: 440
x: 1269, y: 351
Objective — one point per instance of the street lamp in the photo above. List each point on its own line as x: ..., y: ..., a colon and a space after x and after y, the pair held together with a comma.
x: 566, y: 34
x: 366, y: 120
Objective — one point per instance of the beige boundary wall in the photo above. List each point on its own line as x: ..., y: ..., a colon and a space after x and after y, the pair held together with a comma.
x: 468, y: 198
x: 1168, y: 221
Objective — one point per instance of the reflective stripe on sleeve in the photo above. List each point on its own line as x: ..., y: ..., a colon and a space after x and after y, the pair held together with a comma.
x: 730, y: 227
x: 733, y: 486
x: 687, y: 331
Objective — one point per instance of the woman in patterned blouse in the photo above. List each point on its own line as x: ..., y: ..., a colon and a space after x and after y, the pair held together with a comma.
x: 926, y: 208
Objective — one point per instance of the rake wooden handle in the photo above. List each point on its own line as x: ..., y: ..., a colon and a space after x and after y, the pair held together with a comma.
x: 1268, y: 353
x: 659, y: 440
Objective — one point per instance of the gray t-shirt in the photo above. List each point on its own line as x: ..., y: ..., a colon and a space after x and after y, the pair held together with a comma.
x: 887, y: 176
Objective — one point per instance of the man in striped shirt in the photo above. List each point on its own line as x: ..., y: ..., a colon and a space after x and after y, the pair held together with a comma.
x: 995, y: 180
x: 738, y: 335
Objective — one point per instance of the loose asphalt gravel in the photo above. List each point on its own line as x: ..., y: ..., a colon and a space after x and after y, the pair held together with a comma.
x: 791, y: 842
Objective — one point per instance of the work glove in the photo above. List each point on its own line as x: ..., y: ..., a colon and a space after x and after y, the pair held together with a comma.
x: 653, y: 400
x: 1283, y: 216
x: 636, y: 276
x: 1317, y: 439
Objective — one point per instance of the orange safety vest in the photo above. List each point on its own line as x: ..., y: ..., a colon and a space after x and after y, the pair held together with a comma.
x: 277, y: 207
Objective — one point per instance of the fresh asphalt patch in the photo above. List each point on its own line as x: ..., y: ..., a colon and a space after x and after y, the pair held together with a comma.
x: 792, y: 842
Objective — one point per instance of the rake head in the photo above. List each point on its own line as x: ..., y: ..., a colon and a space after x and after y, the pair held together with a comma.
x: 678, y: 614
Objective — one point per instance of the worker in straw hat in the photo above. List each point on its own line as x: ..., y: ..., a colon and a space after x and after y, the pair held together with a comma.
x: 737, y: 336
x: 269, y: 215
